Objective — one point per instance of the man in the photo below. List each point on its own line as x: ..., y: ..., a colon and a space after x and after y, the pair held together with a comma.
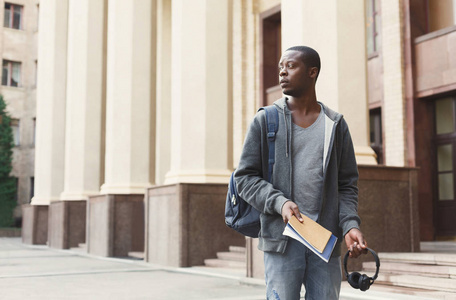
x: 315, y: 173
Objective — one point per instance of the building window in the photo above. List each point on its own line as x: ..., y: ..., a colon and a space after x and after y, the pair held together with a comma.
x: 13, y: 16
x: 37, y: 17
x: 445, y: 140
x: 11, y: 74
x: 444, y: 116
x: 16, y: 195
x: 32, y: 188
x: 34, y: 131
x: 376, y: 140
x: 16, y: 131
x: 36, y: 73
x: 372, y: 25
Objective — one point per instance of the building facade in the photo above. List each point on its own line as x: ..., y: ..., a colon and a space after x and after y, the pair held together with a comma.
x: 143, y: 108
x: 18, y: 40
x: 411, y: 75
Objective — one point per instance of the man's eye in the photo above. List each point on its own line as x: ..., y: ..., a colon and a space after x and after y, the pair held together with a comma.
x: 290, y: 66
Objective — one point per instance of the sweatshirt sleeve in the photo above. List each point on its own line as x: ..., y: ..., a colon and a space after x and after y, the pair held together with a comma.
x: 348, y: 184
x: 251, y: 185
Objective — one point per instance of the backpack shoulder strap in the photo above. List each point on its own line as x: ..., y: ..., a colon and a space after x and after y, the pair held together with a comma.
x: 272, y: 120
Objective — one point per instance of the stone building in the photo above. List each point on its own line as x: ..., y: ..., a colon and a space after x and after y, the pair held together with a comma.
x: 18, y: 52
x: 143, y: 107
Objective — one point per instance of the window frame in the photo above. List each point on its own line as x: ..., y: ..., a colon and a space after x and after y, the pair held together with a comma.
x: 32, y: 188
x: 374, y: 32
x: 17, y: 138
x: 377, y: 144
x: 12, y: 10
x: 10, y: 73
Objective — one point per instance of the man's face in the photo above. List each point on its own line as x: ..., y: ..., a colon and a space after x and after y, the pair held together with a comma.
x: 294, y: 76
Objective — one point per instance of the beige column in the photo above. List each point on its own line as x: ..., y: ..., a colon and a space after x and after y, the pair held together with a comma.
x: 163, y: 131
x: 394, y: 123
x: 51, y: 93
x: 201, y: 146
x: 130, y: 103
x: 85, y: 92
x: 245, y: 75
x: 340, y: 41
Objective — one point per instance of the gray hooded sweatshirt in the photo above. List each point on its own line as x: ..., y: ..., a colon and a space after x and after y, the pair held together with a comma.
x: 339, y: 203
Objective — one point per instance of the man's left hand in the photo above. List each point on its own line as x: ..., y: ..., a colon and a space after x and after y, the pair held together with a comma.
x: 356, y: 243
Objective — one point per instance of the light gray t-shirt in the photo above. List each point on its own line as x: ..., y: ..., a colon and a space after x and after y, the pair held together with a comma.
x: 307, y: 160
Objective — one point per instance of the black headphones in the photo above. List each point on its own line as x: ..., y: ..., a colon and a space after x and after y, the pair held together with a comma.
x: 358, y: 281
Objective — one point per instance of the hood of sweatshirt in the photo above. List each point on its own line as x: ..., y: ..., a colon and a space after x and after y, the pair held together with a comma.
x: 331, y: 120
x: 282, y: 106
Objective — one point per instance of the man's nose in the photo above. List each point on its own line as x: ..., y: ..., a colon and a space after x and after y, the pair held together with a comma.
x: 282, y: 72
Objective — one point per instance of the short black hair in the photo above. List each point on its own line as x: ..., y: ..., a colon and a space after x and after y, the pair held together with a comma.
x: 309, y: 56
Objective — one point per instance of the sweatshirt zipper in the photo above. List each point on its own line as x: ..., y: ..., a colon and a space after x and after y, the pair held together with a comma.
x: 286, y: 129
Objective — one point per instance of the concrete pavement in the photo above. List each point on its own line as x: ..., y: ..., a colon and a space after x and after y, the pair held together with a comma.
x: 38, y: 272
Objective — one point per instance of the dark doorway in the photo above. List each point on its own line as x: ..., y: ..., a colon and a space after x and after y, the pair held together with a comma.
x: 271, y: 39
x: 445, y: 166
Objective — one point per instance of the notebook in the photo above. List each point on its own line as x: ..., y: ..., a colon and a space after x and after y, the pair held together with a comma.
x: 314, y: 236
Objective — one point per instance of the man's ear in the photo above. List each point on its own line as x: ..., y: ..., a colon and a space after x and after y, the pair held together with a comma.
x: 313, y: 72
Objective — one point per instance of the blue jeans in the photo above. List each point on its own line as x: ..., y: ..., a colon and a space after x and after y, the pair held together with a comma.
x: 286, y: 273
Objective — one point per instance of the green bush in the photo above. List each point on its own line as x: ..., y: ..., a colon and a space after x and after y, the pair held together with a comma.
x: 7, y: 183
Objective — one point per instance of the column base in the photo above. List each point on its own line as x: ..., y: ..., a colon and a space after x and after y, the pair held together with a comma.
x: 115, y: 224
x: 115, y: 189
x: 67, y: 224
x: 35, y: 224
x: 185, y: 224
x: 255, y: 259
x: 198, y: 176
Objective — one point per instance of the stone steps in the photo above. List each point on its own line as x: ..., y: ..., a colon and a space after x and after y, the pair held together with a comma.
x: 412, y: 269
x: 136, y: 255
x: 81, y: 248
x: 232, y: 256
x: 235, y: 258
x: 238, y: 249
x: 430, y: 258
x: 421, y: 282
x: 427, y: 271
x: 444, y: 259
x: 220, y: 263
x: 438, y: 246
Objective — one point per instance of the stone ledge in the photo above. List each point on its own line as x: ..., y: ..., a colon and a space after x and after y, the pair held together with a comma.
x: 420, y: 258
x: 10, y: 232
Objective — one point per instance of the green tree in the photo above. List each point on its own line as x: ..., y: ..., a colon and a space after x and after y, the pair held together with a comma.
x: 7, y: 183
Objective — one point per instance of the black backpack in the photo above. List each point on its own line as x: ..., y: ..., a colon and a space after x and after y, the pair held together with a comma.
x: 240, y: 215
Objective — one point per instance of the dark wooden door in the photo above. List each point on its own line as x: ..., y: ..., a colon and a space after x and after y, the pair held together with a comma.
x: 445, y: 159
x: 271, y: 51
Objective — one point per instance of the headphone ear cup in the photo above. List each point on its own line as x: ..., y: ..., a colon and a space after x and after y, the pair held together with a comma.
x: 364, y: 282
x: 354, y: 279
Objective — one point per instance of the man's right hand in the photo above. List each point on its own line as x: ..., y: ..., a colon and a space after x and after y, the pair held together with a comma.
x: 290, y: 209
